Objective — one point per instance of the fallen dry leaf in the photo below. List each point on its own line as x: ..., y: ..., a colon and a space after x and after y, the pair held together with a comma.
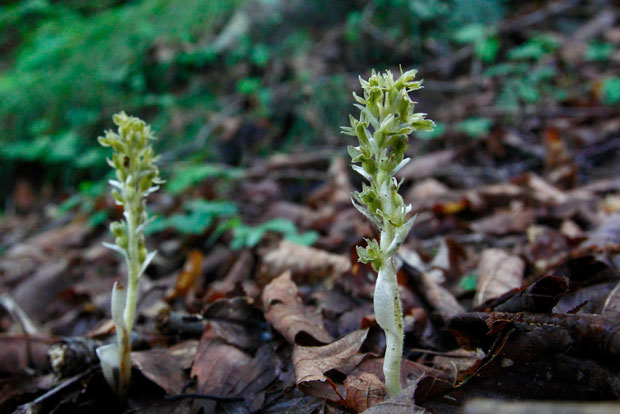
x: 606, y: 235
x: 305, y: 263
x: 364, y: 391
x: 238, y: 323
x: 288, y: 315
x: 426, y: 165
x: 410, y: 371
x: 516, y: 221
x: 313, y: 362
x: 337, y: 190
x: 541, y: 191
x: 42, y: 289
x: 539, y: 297
x: 166, y: 366
x: 238, y: 273
x: 498, y: 273
x: 612, y: 303
x: 224, y: 370
x: 401, y: 403
x: 188, y: 278
x: 438, y: 297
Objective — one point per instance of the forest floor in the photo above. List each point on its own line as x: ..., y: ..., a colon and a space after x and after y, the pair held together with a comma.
x: 510, y: 278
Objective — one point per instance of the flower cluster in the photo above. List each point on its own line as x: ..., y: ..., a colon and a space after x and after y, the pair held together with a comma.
x: 388, y: 111
x: 136, y: 177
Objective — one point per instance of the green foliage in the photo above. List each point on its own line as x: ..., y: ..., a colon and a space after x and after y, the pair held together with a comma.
x: 197, y: 217
x: 84, y: 202
x: 527, y: 78
x: 485, y: 41
x: 65, y: 149
x: 413, y: 22
x: 611, y: 90
x: 468, y: 282
x: 248, y: 86
x: 319, y: 107
x: 476, y: 127
x: 599, y: 51
x: 73, y: 63
x: 439, y: 130
x: 535, y: 48
x: 185, y: 176
x: 353, y: 26
x: 249, y: 236
x: 74, y: 69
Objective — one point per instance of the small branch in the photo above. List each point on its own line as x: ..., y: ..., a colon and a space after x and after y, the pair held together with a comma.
x: 200, y: 397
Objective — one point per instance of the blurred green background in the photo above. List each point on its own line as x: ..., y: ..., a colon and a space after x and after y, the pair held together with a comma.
x: 228, y: 81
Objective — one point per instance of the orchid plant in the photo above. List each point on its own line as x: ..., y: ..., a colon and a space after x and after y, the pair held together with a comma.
x: 136, y: 177
x: 385, y: 121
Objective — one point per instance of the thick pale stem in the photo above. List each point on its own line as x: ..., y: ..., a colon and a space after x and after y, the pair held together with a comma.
x: 133, y: 269
x: 389, y: 316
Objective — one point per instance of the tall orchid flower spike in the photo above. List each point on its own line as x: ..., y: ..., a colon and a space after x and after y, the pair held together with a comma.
x: 386, y: 119
x: 136, y: 177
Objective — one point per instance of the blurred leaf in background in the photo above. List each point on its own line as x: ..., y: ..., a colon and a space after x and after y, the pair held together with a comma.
x: 198, y: 215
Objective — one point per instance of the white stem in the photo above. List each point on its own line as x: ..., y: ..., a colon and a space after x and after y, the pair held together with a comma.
x: 131, y: 298
x: 389, y: 315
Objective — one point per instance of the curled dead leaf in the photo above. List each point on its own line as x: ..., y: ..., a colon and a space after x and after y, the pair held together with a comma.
x: 312, y: 363
x: 364, y: 391
x: 188, y: 278
x: 288, y: 315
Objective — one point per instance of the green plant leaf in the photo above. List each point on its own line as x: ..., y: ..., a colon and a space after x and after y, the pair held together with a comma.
x: 307, y: 238
x: 98, y: 218
x: 471, y: 33
x: 189, y: 223
x: 280, y: 225
x: 468, y: 282
x: 187, y: 176
x: 249, y: 86
x: 219, y: 208
x: 69, y: 204
x: 535, y: 48
x: 476, y: 127
x: 439, y: 130
x: 599, y: 51
x: 157, y: 225
x: 199, y: 215
x: 611, y: 90
x: 487, y: 49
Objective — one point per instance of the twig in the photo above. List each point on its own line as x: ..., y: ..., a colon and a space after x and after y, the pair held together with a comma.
x: 38, y: 406
x: 201, y: 397
x: 17, y: 313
